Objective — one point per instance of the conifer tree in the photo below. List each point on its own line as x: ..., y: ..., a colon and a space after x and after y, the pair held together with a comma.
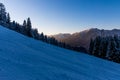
x: 112, y: 48
x: 24, y: 23
x: 41, y: 36
x: 35, y: 33
x: 101, y: 47
x: 96, y: 46
x: 2, y: 13
x: 24, y: 28
x: 8, y: 19
x: 91, y: 46
x: 29, y: 26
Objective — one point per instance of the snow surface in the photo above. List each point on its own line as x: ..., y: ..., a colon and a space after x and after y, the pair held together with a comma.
x: 23, y: 58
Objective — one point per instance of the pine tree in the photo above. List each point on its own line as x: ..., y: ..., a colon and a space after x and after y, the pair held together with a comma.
x: 29, y: 26
x: 91, y: 46
x: 41, y: 37
x: 2, y: 13
x: 25, y: 23
x: 116, y: 38
x: 8, y: 19
x: 108, y: 48
x: 24, y: 28
x: 17, y: 27
x: 46, y: 38
x: 35, y: 33
x: 101, y: 47
x: 12, y: 25
x: 116, y: 55
x: 96, y: 46
x: 113, y: 49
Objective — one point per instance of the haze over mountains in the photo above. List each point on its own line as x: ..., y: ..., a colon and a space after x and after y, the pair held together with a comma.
x: 83, y: 38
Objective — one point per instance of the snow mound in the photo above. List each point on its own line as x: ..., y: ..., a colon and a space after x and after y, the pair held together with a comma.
x: 23, y: 58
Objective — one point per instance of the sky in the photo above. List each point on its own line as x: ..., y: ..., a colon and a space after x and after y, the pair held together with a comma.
x: 65, y: 16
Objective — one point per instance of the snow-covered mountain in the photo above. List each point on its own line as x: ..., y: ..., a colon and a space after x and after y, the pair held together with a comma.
x: 23, y: 58
x: 83, y: 38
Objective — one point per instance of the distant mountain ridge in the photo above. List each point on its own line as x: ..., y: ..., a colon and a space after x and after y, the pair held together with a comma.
x: 83, y: 38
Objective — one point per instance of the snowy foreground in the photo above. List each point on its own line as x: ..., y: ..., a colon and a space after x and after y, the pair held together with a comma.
x: 23, y: 58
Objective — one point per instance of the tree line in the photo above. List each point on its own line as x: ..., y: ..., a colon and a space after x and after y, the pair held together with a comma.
x: 106, y: 47
x: 27, y: 30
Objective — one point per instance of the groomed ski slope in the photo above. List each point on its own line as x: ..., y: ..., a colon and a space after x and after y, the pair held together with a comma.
x: 23, y: 58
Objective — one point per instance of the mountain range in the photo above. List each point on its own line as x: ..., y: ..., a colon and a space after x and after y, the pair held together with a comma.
x: 82, y: 39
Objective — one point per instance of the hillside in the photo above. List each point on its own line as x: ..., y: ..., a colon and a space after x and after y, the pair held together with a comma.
x: 83, y: 38
x: 23, y: 58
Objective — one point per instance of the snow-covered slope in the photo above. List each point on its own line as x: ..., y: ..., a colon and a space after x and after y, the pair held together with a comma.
x: 23, y: 58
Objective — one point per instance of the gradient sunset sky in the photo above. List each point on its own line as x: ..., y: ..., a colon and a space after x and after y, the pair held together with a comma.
x: 66, y: 16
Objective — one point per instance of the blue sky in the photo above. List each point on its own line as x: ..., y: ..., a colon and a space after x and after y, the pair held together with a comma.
x: 66, y: 16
